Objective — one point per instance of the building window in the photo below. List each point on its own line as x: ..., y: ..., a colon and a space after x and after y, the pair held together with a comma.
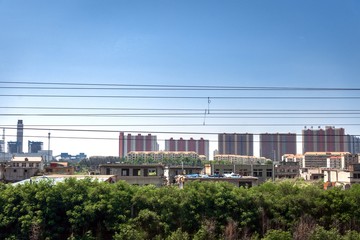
x: 136, y: 172
x: 31, y: 165
x: 125, y: 172
x: 356, y: 175
x: 152, y: 172
x: 25, y: 170
x: 257, y: 173
x: 14, y: 170
x: 268, y: 173
x: 108, y: 171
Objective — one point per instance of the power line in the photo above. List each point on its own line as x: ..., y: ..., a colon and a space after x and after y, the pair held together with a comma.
x: 179, y: 87
x: 181, y: 125
x: 170, y: 116
x: 179, y: 109
x: 180, y: 97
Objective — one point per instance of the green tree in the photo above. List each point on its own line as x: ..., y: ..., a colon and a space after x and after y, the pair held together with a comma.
x: 277, y: 235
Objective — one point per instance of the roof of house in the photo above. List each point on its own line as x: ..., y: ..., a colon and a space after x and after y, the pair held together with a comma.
x: 26, y: 159
x: 61, y: 178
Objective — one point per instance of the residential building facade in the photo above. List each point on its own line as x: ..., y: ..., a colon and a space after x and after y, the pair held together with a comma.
x: 275, y: 145
x: 128, y: 143
x: 136, y: 174
x: 20, y: 168
x: 160, y: 156
x: 299, y: 158
x: 330, y: 139
x: 353, y: 144
x: 236, y: 144
x: 334, y: 160
x: 200, y: 146
x: 262, y: 171
x: 239, y: 159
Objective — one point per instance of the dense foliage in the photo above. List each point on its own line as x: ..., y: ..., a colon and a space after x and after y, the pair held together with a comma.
x: 94, y: 210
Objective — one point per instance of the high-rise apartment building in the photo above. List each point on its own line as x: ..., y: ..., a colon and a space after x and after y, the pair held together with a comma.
x: 236, y: 144
x: 330, y: 139
x: 20, y: 136
x: 352, y: 143
x: 34, y: 147
x: 200, y: 146
x: 275, y: 145
x: 128, y: 143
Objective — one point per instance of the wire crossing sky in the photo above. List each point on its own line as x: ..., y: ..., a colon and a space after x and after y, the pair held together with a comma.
x: 176, y: 68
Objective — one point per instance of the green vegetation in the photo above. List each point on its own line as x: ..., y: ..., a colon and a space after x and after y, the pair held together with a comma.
x: 95, y: 210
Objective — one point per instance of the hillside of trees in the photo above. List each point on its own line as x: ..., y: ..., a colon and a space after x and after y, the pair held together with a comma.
x: 86, y: 209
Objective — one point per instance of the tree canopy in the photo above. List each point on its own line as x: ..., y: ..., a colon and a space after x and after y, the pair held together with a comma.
x: 85, y: 209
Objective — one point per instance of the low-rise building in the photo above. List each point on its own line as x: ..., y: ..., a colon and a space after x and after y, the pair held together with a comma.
x: 337, y: 160
x: 294, y: 158
x: 262, y: 171
x: 240, y: 159
x: 312, y: 173
x: 20, y: 168
x: 136, y: 174
x: 59, y: 168
x: 342, y: 178
x: 287, y: 170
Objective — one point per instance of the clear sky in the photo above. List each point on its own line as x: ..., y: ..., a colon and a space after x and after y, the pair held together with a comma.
x: 280, y: 43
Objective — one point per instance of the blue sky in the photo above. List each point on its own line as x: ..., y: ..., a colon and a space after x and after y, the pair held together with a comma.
x: 228, y: 43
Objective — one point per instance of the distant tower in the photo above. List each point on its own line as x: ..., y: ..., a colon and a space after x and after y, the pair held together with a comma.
x: 20, y: 136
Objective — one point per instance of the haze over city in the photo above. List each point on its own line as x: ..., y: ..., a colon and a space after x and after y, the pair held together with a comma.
x: 86, y: 70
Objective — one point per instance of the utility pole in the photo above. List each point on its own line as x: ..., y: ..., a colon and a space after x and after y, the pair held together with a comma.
x: 48, y: 147
x: 273, y: 166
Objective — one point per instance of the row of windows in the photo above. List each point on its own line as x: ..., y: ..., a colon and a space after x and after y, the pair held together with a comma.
x: 26, y: 165
x: 135, y: 172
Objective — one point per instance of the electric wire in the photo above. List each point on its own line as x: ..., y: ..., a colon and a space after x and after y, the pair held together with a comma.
x: 177, y: 87
x: 183, y: 97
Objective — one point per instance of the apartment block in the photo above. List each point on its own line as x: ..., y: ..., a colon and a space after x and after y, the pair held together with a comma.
x: 333, y: 160
x: 236, y: 144
x: 200, y: 146
x: 275, y: 145
x: 159, y: 156
x: 128, y: 143
x: 330, y: 139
